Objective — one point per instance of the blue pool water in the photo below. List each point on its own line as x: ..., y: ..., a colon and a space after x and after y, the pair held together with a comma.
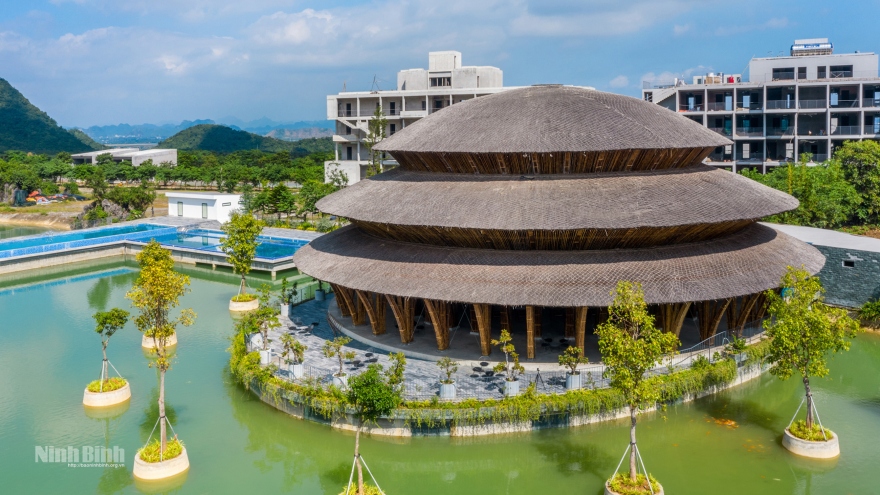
x: 80, y: 238
x: 209, y: 240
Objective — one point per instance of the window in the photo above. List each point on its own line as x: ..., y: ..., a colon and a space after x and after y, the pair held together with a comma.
x: 822, y: 72
x: 204, y: 210
x: 849, y: 264
x: 802, y: 72
x: 783, y: 74
x: 393, y: 129
x: 841, y: 71
x: 424, y: 105
x: 439, y: 82
x: 393, y: 108
x: 180, y: 208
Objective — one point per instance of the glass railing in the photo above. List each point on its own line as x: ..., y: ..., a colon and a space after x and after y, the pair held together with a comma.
x: 756, y: 156
x: 779, y: 104
x: 811, y: 131
x: 724, y: 131
x: 872, y: 129
x: 847, y: 130
x: 719, y: 106
x: 749, y: 131
x: 845, y: 104
x: 695, y: 108
x: 812, y: 104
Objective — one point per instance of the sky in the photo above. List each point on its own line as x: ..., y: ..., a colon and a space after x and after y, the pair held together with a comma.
x: 100, y: 62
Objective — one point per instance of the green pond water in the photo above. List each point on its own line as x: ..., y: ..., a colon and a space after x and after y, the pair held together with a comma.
x: 9, y: 231
x: 236, y: 444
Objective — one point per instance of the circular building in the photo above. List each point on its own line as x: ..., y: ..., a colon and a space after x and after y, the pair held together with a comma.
x: 547, y: 197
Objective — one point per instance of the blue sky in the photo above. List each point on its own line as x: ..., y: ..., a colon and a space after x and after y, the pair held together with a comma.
x: 95, y: 62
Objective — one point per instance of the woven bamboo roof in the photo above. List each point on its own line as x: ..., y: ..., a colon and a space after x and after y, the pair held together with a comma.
x: 547, y: 119
x: 747, y: 262
x: 691, y: 196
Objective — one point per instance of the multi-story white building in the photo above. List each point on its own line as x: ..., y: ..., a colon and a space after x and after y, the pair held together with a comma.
x: 419, y: 93
x: 808, y: 102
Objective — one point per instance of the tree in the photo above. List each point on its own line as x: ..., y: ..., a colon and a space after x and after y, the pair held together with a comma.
x: 631, y: 345
x: 97, y: 181
x: 290, y: 346
x: 154, y: 294
x: 827, y: 199
x: 860, y: 163
x: 510, y: 367
x: 240, y: 243
x: 375, y: 134
x: 279, y: 199
x: 310, y: 193
x: 571, y: 358
x: 373, y: 395
x: 333, y: 348
x: 803, y: 329
x: 108, y: 323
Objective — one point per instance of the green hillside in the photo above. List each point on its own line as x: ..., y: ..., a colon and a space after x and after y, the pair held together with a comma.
x: 222, y: 139
x: 86, y: 139
x: 24, y: 127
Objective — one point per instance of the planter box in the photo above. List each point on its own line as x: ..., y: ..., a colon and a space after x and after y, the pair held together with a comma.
x: 265, y: 357
x: 285, y: 310
x: 160, y: 470
x: 320, y: 295
x: 296, y: 370
x: 340, y: 381
x: 573, y: 382
x: 447, y: 390
x: 815, y: 450
x: 609, y: 491
x: 511, y: 389
x: 149, y: 343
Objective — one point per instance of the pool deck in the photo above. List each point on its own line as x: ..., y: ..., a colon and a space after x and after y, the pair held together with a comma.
x: 130, y: 247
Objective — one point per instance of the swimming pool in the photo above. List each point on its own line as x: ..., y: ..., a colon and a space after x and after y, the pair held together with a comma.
x: 209, y: 240
x: 81, y: 238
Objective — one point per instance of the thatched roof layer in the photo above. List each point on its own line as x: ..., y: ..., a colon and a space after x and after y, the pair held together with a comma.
x: 691, y: 196
x: 747, y: 262
x: 541, y: 119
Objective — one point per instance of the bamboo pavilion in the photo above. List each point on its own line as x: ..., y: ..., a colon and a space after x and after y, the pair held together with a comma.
x: 546, y: 197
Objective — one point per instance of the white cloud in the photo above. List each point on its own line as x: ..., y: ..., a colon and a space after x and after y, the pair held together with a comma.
x: 667, y: 77
x: 600, y: 18
x: 774, y: 23
x: 297, y: 28
x: 620, y: 81
x: 679, y: 30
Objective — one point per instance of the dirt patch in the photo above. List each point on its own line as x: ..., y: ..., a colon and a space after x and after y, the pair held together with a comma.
x: 54, y: 220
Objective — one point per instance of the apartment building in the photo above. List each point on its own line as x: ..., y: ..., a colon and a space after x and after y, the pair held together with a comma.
x: 811, y: 101
x: 419, y: 93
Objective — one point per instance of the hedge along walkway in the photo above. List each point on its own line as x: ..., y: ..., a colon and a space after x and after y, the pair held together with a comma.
x: 422, y: 378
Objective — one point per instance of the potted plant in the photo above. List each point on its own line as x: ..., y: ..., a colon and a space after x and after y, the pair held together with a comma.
x: 447, y: 385
x: 802, y: 331
x: 286, y: 296
x: 293, y: 348
x: 319, y: 292
x: 240, y: 247
x: 265, y: 319
x: 510, y: 367
x: 155, y: 293
x: 571, y: 358
x: 107, y: 391
x: 631, y: 345
x: 333, y: 348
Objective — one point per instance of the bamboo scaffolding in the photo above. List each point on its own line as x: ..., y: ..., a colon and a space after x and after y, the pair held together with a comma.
x: 739, y: 310
x: 530, y: 332
x: 374, y: 304
x: 580, y: 328
x: 439, y: 313
x: 341, y: 301
x: 483, y: 313
x: 404, y: 310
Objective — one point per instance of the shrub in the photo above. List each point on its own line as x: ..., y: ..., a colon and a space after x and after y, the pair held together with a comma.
x: 870, y: 311
x: 701, y: 363
x: 243, y: 297
x: 150, y: 453
x: 325, y: 225
x: 368, y: 490
x: 621, y: 484
x: 110, y: 385
x: 814, y: 434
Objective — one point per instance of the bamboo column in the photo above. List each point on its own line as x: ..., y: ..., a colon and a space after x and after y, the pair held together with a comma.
x: 580, y: 328
x: 505, y: 318
x: 341, y: 300
x: 739, y: 310
x: 473, y: 318
x: 439, y: 313
x: 539, y: 311
x: 374, y: 304
x: 404, y: 310
x: 709, y: 314
x: 569, y: 323
x: 530, y: 332
x: 484, y: 322
x: 672, y: 316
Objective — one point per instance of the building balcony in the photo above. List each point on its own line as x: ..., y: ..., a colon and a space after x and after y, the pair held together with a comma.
x: 812, y: 131
x: 749, y: 132
x: 870, y: 102
x: 695, y: 108
x: 345, y: 138
x: 813, y: 104
x: 846, y: 130
x: 750, y: 108
x: 845, y: 104
x: 753, y: 157
x: 779, y: 104
x: 347, y: 113
x: 719, y: 106
x: 413, y: 114
x: 724, y: 131
x: 818, y: 157
x: 872, y: 129
x: 780, y: 131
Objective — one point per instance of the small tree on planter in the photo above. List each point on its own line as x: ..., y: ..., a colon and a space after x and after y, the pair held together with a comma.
x: 291, y: 347
x: 155, y: 293
x: 631, y: 345
x: 448, y: 367
x: 107, y: 324
x: 334, y: 348
x: 571, y: 358
x: 803, y: 329
x: 240, y: 244
x: 373, y: 394
x: 510, y: 367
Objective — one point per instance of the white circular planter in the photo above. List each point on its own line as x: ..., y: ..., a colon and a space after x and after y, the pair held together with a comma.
x: 160, y: 470
x: 149, y: 343
x: 285, y: 310
x: 447, y: 390
x: 815, y: 450
x: 107, y: 399
x: 340, y: 381
x: 511, y: 389
x: 609, y: 491
x: 573, y: 382
x: 244, y: 306
x: 297, y: 370
x: 265, y: 357
x: 320, y: 295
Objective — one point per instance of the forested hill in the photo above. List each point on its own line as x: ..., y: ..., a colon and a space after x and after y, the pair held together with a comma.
x: 222, y: 139
x: 24, y: 127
